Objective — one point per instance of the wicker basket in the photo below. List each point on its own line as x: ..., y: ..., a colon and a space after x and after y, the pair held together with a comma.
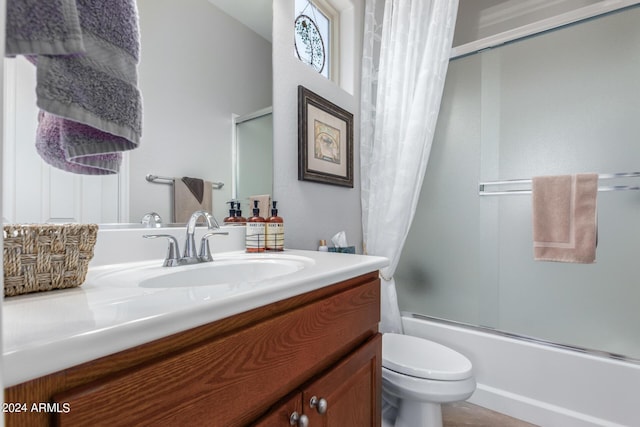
x: 42, y: 257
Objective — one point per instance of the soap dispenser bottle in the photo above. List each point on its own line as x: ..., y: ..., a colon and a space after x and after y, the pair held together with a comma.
x: 232, y: 213
x: 255, y: 231
x: 275, y: 230
x: 240, y: 220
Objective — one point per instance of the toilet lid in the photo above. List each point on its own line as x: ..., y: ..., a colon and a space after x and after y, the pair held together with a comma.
x: 422, y: 358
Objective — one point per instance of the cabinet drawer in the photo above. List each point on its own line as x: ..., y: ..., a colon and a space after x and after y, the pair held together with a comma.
x: 230, y: 380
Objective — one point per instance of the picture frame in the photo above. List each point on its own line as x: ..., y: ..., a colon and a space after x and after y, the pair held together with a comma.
x: 325, y: 140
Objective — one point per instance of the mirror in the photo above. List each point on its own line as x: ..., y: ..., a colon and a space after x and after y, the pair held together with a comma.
x: 200, y: 66
x: 252, y: 154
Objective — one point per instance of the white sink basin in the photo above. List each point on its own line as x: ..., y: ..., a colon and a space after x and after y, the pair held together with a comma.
x: 231, y: 269
x: 223, y: 272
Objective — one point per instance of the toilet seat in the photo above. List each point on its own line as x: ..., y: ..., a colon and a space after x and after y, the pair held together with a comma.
x: 422, y: 358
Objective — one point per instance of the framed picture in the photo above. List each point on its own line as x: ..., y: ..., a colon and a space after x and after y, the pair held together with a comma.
x: 325, y: 140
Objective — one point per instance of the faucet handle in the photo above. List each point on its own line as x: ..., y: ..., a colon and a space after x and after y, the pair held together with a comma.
x: 151, y: 220
x: 173, y: 252
x: 205, y: 251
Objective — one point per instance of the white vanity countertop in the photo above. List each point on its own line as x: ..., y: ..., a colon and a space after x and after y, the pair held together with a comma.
x: 50, y: 331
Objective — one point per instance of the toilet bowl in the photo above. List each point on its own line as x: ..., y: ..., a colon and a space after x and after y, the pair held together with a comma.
x: 417, y: 376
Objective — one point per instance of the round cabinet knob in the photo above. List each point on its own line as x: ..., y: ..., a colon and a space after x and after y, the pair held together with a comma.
x: 320, y: 404
x: 299, y: 420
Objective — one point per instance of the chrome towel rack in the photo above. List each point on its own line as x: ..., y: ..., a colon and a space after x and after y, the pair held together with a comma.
x: 484, y: 187
x: 169, y: 180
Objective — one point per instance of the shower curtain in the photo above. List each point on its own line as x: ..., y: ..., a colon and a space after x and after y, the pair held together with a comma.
x: 404, y: 64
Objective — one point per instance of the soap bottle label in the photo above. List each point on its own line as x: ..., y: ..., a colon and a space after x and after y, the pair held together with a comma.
x: 255, y: 237
x: 275, y: 236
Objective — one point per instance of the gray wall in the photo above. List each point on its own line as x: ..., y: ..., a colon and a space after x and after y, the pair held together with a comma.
x: 559, y: 103
x: 313, y: 211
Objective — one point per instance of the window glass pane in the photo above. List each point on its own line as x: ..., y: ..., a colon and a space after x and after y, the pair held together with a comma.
x: 312, y: 42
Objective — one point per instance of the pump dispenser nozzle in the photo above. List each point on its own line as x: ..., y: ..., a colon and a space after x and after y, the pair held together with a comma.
x: 232, y: 212
x: 256, y: 231
x: 275, y: 230
x: 240, y: 220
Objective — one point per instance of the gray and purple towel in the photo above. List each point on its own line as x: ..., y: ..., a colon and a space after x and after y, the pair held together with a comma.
x: 86, y: 53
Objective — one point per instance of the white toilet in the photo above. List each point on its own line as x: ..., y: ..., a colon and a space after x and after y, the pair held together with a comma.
x: 417, y: 376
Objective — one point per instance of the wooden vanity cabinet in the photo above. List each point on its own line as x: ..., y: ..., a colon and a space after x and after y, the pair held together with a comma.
x: 233, y: 372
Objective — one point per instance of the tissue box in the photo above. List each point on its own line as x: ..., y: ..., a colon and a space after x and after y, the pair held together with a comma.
x: 345, y: 250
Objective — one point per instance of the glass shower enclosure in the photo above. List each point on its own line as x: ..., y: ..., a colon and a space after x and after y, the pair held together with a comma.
x: 562, y: 102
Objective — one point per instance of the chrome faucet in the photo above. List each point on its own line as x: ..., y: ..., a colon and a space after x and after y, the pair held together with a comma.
x: 189, y: 252
x: 190, y: 255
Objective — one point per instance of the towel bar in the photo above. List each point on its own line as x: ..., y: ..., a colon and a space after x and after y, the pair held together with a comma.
x: 482, y: 186
x: 169, y: 180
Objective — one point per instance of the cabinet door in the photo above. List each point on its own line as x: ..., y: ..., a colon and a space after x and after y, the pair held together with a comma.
x: 281, y: 414
x: 350, y: 393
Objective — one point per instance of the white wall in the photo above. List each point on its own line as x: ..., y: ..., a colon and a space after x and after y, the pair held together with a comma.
x: 312, y: 211
x: 198, y: 67
x: 479, y: 19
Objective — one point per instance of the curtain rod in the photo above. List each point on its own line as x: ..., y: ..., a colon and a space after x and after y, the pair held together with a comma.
x: 156, y: 179
x: 482, y: 191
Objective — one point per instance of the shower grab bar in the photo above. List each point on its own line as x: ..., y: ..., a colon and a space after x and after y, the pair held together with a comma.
x: 169, y: 180
x: 482, y: 186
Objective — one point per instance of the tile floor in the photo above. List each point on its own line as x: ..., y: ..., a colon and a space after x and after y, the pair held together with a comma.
x: 463, y: 414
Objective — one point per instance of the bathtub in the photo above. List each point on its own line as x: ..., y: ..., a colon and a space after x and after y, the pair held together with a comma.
x: 539, y: 383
